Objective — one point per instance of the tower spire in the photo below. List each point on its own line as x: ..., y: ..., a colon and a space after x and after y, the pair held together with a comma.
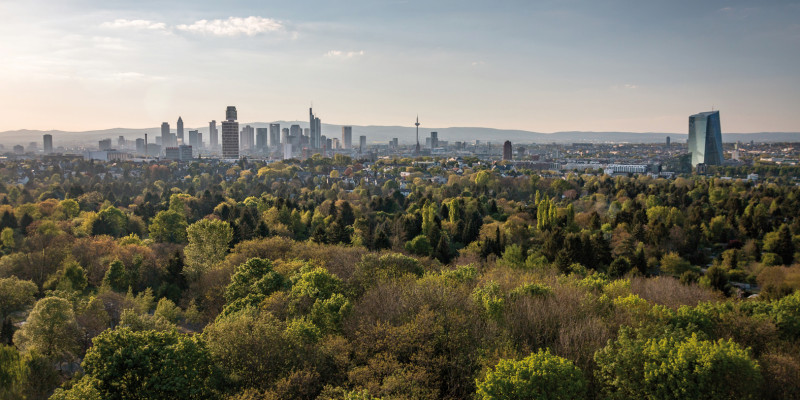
x: 416, y: 150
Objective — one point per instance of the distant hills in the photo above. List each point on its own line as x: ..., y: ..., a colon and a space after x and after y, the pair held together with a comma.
x: 406, y: 135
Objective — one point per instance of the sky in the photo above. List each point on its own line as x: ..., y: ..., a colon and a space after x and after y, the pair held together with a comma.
x: 544, y: 65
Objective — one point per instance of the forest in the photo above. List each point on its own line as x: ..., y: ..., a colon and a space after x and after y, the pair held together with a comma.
x: 334, y: 278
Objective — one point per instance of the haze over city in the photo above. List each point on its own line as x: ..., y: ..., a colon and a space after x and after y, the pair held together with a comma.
x: 544, y: 66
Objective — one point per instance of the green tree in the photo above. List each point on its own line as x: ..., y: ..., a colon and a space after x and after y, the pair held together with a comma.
x: 50, y: 329
x: 12, y: 373
x: 7, y: 238
x: 15, y: 295
x: 168, y: 226
x: 109, y: 221
x: 637, y: 365
x: 115, y: 277
x: 252, y: 282
x: 150, y: 365
x: 539, y: 376
x: 673, y: 264
x: 419, y: 246
x: 208, y: 244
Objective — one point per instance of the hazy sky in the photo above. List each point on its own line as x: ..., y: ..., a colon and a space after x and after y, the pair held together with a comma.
x: 622, y: 65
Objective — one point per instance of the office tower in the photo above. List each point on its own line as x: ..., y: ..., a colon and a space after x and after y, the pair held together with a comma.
x: 428, y: 143
x: 121, y: 142
x: 140, y: 146
x: 336, y: 144
x: 230, y: 134
x: 48, y: 143
x: 165, y: 134
x: 105, y: 144
x: 295, y: 133
x: 213, y: 135
x: 284, y: 135
x: 274, y: 135
x: 395, y: 143
x: 317, y: 130
x: 705, y: 138
x: 287, y: 150
x: 668, y: 141
x: 347, y: 137
x: 247, y: 138
x: 196, y: 139
x: 507, y: 150
x: 180, y: 130
x: 416, y: 149
x: 362, y: 143
x: 312, y: 127
x: 261, y: 139
x: 434, y: 140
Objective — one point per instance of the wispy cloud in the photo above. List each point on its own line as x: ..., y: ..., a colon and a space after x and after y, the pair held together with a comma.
x: 630, y: 86
x: 234, y: 26
x: 134, y: 24
x: 344, y: 54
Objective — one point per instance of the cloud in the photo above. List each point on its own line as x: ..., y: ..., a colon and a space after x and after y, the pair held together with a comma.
x: 135, y: 24
x: 630, y: 86
x: 344, y: 54
x: 234, y: 26
x: 477, y: 63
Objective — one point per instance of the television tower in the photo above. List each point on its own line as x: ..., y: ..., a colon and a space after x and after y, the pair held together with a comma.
x: 416, y: 151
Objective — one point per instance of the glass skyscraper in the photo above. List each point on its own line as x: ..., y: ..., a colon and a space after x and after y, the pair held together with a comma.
x: 705, y: 138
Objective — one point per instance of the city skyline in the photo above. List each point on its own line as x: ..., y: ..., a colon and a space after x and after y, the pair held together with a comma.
x: 509, y: 65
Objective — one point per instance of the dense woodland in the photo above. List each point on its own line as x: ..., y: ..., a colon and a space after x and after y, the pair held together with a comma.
x: 335, y: 279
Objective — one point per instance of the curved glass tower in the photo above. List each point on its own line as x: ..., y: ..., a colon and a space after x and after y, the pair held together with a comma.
x: 705, y: 138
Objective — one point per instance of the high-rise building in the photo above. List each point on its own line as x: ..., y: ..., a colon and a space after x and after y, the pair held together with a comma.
x: 140, y: 146
x: 213, y: 135
x: 261, y: 139
x: 295, y: 136
x: 362, y: 143
x: 230, y: 134
x: 347, y: 137
x: 705, y: 138
x: 48, y: 143
x: 434, y: 140
x: 315, y: 130
x: 179, y: 153
x: 121, y: 142
x: 246, y: 142
x: 165, y: 141
x: 180, y: 130
x: 284, y: 135
x: 668, y: 141
x: 196, y: 139
x: 507, y: 150
x: 274, y: 135
x: 105, y: 144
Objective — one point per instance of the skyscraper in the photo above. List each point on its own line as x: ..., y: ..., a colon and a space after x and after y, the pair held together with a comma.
x: 48, y: 143
x: 230, y: 134
x: 705, y: 138
x: 507, y: 150
x: 347, y: 137
x: 362, y: 143
x: 315, y: 130
x: 274, y: 135
x: 196, y: 139
x: 213, y: 135
x: 261, y: 139
x: 165, y: 141
x: 247, y: 138
x: 434, y: 140
x: 180, y: 130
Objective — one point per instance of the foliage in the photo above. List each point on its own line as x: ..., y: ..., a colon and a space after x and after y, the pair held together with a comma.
x: 124, y: 364
x: 541, y: 375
